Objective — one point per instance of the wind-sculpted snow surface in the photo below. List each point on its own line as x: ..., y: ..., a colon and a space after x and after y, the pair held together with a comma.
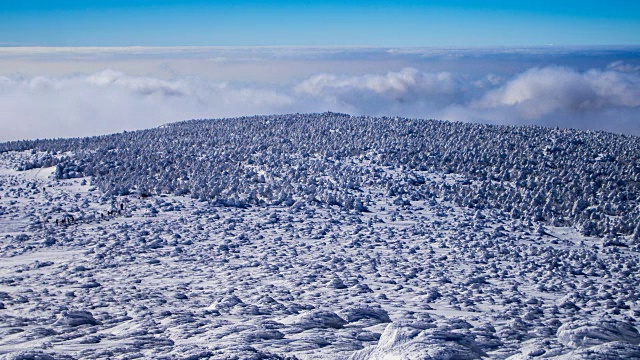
x: 421, y: 341
x: 345, y: 250
x: 559, y: 177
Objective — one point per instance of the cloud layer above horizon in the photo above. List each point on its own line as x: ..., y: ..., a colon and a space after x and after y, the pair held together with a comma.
x: 65, y: 92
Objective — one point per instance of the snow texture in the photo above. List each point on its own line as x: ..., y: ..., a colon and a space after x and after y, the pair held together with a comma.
x: 321, y: 236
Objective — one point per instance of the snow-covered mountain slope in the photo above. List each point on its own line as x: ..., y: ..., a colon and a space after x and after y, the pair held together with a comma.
x: 320, y: 237
x: 590, y: 180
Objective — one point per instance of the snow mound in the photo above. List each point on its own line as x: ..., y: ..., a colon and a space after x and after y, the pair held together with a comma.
x: 315, y: 319
x: 361, y: 312
x: 226, y: 303
x: 610, y: 350
x: 30, y: 355
x: 240, y: 352
x: 410, y: 342
x: 76, y: 318
x: 583, y: 333
x: 538, y: 348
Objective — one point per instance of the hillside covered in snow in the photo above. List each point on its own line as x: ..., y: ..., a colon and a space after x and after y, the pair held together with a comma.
x: 558, y: 177
x: 321, y: 236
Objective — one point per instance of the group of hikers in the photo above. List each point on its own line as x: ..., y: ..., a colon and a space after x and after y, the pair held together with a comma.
x: 116, y: 210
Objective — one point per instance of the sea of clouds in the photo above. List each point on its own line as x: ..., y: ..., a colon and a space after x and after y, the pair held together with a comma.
x: 62, y: 92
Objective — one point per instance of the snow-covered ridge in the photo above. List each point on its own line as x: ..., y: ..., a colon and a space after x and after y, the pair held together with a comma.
x: 556, y: 176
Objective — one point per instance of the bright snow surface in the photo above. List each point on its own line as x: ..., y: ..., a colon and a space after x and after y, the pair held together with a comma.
x: 174, y: 277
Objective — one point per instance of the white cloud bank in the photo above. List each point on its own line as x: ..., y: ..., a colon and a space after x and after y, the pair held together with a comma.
x: 111, y: 101
x: 599, y: 98
x: 539, y: 92
x: 550, y: 96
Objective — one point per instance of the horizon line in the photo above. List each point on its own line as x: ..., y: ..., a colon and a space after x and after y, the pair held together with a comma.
x: 453, y: 47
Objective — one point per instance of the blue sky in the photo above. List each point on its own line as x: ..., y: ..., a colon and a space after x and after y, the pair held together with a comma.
x: 318, y: 23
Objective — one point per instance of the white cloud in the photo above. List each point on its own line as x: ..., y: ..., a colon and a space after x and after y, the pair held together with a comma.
x: 140, y: 85
x: 111, y: 101
x: 539, y: 92
x: 398, y: 84
x: 550, y: 96
x: 150, y: 87
x: 407, y: 92
x: 622, y: 66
